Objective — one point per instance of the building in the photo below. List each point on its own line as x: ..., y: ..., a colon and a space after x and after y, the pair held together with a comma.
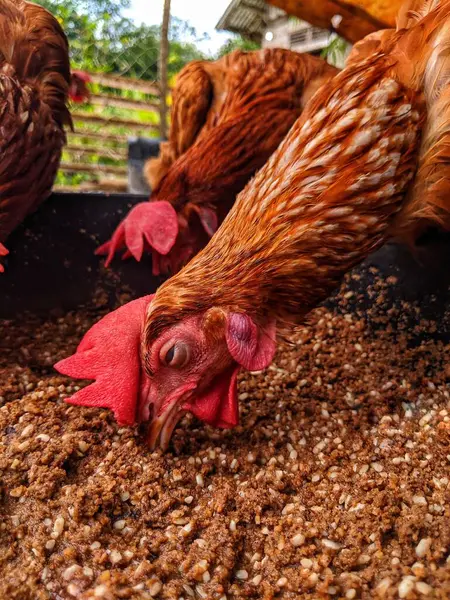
x: 272, y: 27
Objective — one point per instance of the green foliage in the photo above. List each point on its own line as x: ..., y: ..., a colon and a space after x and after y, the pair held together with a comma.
x: 182, y: 47
x: 237, y: 43
x: 102, y: 39
x: 336, y: 51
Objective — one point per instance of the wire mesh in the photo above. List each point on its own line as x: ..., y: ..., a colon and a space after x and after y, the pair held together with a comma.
x: 122, y: 103
x: 118, y: 108
x: 120, y: 60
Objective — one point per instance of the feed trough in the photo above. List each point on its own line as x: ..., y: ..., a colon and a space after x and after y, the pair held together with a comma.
x: 52, y: 262
x: 335, y: 483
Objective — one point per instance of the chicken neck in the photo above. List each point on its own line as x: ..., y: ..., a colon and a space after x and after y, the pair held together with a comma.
x: 322, y: 203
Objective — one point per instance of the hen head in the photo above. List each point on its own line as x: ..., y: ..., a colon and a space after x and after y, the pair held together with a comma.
x: 171, y: 237
x: 189, y: 366
x: 78, y: 90
x: 190, y: 230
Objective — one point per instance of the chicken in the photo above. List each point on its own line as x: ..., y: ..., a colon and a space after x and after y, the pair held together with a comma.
x: 78, y: 90
x: 34, y: 85
x: 228, y: 117
x: 368, y: 46
x: 367, y: 160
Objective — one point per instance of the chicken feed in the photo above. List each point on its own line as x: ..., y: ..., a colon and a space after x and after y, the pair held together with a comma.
x: 335, y: 484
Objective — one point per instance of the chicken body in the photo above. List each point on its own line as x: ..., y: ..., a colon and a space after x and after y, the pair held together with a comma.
x: 228, y: 117
x: 34, y: 84
x: 367, y: 160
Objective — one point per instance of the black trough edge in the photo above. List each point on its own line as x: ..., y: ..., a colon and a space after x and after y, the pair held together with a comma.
x: 52, y: 262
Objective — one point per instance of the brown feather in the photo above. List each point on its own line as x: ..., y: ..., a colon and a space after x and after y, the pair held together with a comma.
x: 412, y: 11
x: 428, y: 201
x: 299, y: 225
x: 369, y: 46
x: 191, y: 101
x: 337, y: 187
x: 34, y: 83
x: 230, y: 116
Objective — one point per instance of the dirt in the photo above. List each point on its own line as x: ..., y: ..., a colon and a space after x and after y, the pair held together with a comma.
x: 334, y: 485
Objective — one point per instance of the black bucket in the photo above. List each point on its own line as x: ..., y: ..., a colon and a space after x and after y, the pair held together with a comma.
x: 52, y: 261
x: 52, y: 264
x: 139, y: 151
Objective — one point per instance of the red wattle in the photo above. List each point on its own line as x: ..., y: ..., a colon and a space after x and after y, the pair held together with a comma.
x: 218, y: 405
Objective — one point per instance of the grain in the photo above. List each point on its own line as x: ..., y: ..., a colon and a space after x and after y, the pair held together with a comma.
x: 298, y: 540
x: 58, y: 526
x: 423, y: 547
x: 115, y: 556
x: 406, y: 586
x: 334, y: 485
x: 424, y: 588
x: 331, y: 544
x: 242, y: 574
x: 70, y: 572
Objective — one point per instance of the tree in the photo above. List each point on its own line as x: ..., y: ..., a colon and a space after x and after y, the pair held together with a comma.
x: 162, y: 68
x: 102, y: 39
x: 336, y: 52
x: 237, y: 43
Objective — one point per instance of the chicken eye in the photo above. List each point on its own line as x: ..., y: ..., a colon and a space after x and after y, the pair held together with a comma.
x: 176, y: 356
x: 170, y: 356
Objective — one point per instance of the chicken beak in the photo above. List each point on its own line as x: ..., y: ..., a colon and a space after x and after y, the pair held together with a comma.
x: 162, y: 427
x: 164, y: 419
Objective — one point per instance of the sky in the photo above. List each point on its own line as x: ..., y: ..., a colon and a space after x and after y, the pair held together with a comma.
x: 201, y: 14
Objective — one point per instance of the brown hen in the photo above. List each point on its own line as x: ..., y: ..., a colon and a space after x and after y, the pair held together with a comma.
x: 34, y: 84
x: 368, y: 159
x: 228, y: 117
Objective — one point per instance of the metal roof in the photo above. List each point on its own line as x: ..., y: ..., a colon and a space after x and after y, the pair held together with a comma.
x: 246, y: 17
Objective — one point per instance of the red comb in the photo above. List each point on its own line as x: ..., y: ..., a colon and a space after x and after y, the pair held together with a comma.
x: 154, y: 222
x: 109, y: 354
x: 3, y: 252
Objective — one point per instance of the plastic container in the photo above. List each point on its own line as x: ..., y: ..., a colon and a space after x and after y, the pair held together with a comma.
x: 139, y: 151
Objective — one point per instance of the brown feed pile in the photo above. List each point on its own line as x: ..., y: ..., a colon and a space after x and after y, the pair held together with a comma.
x: 335, y: 485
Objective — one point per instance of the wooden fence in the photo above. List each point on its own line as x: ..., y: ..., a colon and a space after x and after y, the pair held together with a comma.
x: 95, y: 158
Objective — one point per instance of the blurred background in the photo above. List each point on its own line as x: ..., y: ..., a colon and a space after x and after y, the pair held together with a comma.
x: 131, y: 51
